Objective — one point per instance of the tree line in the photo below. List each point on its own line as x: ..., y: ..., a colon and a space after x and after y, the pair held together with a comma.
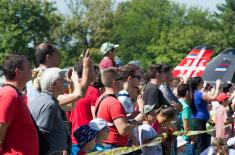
x: 152, y: 31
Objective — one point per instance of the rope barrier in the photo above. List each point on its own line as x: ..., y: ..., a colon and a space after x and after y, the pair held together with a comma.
x: 156, y: 141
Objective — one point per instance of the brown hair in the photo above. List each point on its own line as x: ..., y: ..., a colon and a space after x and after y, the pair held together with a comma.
x: 128, y: 70
x: 43, y: 50
x: 153, y: 70
x: 108, y: 75
x: 166, y: 111
x: 11, y: 62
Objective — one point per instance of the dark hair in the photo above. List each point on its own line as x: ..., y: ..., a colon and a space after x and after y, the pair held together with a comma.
x: 128, y: 70
x: 167, y: 111
x: 226, y: 87
x: 78, y: 67
x: 11, y: 62
x: 42, y: 51
x: 97, y: 83
x: 194, y: 83
x: 166, y: 68
x: 208, y: 87
x: 153, y: 70
x: 183, y: 89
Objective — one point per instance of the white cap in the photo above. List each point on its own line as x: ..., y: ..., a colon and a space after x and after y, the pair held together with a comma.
x: 231, y: 141
x: 98, y: 124
x: 180, y: 141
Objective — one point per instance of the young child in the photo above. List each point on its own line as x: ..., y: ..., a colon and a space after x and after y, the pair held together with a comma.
x: 147, y: 133
x: 101, y: 126
x: 221, y: 118
x: 186, y: 117
x: 163, y: 116
x: 86, y: 139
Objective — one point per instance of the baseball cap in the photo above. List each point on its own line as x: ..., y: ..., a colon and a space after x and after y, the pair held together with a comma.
x: 84, y: 135
x: 135, y: 62
x: 98, y: 124
x: 106, y: 47
x: 222, y: 97
x: 148, y: 108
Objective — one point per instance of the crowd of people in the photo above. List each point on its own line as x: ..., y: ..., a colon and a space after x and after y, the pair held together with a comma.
x: 89, y: 108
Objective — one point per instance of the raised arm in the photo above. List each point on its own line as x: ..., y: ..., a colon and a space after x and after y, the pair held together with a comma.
x: 209, y: 97
x: 79, y: 89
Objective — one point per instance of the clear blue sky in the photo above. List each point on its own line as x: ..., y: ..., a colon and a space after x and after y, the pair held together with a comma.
x: 204, y: 4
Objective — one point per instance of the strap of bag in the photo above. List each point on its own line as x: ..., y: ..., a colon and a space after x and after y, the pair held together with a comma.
x: 98, y: 105
x: 7, y: 84
x: 18, y: 92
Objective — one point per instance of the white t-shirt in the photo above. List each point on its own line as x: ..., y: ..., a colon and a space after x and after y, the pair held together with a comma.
x: 125, y: 100
x: 147, y: 132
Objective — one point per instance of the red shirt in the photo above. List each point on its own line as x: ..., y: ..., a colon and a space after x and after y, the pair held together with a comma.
x: 156, y: 126
x: 110, y: 109
x: 21, y: 137
x: 81, y: 152
x: 81, y: 114
x: 93, y: 94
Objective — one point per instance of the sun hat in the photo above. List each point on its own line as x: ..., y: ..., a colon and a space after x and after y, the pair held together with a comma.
x: 84, y: 135
x: 98, y: 124
x: 107, y: 46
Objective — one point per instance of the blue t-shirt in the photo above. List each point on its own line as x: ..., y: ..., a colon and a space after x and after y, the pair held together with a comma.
x: 201, y: 110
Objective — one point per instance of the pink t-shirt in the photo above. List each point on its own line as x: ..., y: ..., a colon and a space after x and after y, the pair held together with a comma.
x: 220, y: 119
x: 105, y: 63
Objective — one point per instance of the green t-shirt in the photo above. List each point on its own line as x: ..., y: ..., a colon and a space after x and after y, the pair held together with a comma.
x: 186, y: 113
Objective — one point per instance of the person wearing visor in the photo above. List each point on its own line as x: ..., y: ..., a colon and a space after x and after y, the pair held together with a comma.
x: 108, y: 51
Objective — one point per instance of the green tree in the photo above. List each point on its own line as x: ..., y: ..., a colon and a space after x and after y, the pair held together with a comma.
x: 137, y: 22
x: 88, y: 25
x: 24, y: 24
x: 226, y: 24
x: 161, y: 31
x: 188, y: 29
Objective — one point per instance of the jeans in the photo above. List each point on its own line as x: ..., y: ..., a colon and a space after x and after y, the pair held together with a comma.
x: 189, y: 149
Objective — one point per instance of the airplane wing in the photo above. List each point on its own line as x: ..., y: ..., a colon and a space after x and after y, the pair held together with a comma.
x: 194, y: 63
x: 221, y: 67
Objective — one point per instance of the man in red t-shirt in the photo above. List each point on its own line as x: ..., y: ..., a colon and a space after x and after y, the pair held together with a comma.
x: 18, y: 134
x: 111, y: 110
x: 82, y: 113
